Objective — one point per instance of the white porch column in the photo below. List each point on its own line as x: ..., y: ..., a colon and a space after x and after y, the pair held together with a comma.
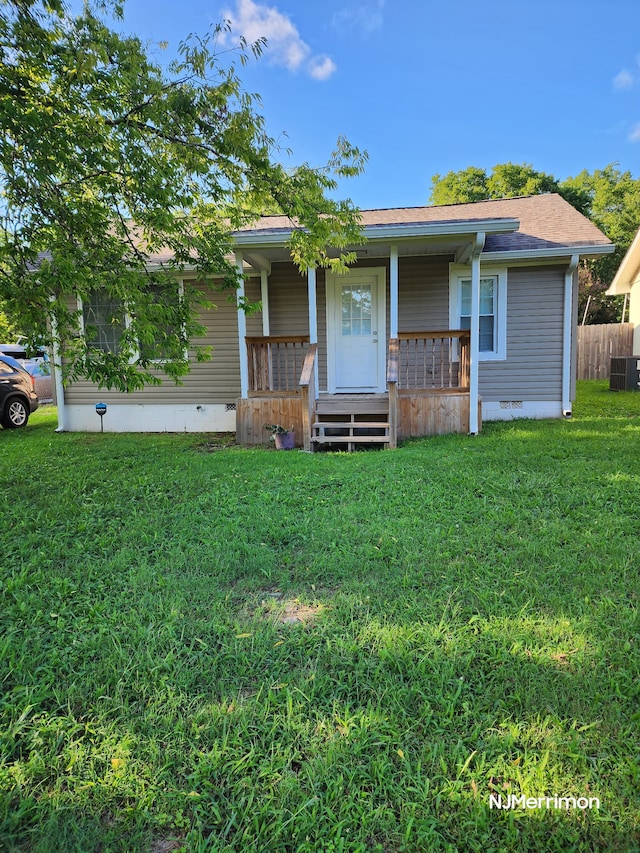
x: 474, y: 345
x: 242, y: 330
x: 313, y: 314
x: 264, y: 298
x: 393, y: 292
x: 57, y: 373
x: 313, y: 305
x: 567, y: 330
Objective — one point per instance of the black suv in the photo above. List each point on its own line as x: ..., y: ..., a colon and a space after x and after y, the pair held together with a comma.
x: 17, y: 396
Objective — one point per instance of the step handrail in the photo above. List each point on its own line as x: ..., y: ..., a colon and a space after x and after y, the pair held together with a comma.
x: 308, y: 393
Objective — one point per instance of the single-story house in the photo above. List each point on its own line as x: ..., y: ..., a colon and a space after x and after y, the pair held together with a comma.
x: 451, y: 315
x: 627, y: 282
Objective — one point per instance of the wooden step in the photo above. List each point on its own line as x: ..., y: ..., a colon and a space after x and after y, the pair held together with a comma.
x: 350, y: 439
x: 353, y: 404
x: 351, y: 425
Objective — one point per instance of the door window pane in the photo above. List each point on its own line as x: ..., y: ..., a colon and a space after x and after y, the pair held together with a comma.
x: 356, y: 309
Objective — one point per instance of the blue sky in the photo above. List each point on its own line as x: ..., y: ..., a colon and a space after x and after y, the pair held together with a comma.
x: 427, y: 86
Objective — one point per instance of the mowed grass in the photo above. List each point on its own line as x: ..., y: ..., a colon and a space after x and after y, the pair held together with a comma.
x: 213, y: 648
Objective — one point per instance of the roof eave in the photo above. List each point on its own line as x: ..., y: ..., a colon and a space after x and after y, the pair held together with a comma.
x: 401, y: 231
x: 553, y: 253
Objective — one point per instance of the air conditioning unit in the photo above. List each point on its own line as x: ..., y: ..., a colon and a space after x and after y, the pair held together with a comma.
x: 625, y: 373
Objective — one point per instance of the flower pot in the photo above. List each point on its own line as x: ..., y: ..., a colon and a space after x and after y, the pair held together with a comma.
x: 285, y: 440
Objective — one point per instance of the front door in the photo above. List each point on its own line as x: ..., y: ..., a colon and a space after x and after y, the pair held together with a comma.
x: 356, y: 331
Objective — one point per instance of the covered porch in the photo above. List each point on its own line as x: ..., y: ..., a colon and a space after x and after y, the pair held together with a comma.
x: 356, y: 376
x: 427, y: 392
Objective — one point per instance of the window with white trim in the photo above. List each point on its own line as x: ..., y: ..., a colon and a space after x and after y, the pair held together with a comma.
x: 103, y: 321
x: 105, y: 318
x: 493, y: 309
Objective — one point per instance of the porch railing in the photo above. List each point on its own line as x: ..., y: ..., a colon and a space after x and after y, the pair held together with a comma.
x: 433, y: 360
x: 275, y: 364
x: 308, y: 391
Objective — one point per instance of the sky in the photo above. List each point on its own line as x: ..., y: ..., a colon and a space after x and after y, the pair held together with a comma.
x: 429, y: 86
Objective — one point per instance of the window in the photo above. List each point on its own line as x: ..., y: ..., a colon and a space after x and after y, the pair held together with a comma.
x: 493, y: 309
x: 104, y: 321
x: 165, y: 305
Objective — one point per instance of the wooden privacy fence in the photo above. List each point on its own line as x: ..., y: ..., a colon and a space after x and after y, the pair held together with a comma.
x: 597, y: 344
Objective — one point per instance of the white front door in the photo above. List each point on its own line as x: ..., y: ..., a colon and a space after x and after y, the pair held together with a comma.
x: 356, y: 331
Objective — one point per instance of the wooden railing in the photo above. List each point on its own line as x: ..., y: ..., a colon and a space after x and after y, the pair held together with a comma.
x: 433, y: 360
x: 308, y: 392
x: 275, y: 364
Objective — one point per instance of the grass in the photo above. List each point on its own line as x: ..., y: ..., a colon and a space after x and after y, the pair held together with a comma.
x: 210, y: 648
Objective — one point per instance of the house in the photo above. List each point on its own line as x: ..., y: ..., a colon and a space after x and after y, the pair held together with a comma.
x: 452, y: 315
x: 627, y: 282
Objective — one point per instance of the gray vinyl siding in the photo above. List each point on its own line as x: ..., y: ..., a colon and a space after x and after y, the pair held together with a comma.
x: 423, y: 294
x: 533, y: 367
x: 288, y: 302
x: 214, y: 381
x: 532, y: 370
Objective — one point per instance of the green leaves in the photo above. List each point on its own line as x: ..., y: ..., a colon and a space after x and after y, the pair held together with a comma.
x: 106, y: 159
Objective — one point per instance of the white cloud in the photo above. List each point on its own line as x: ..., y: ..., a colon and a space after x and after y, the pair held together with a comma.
x: 284, y: 44
x: 321, y: 67
x: 634, y: 136
x: 365, y: 17
x: 623, y: 80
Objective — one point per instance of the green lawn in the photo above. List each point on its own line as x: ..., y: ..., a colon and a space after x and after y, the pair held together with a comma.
x: 470, y: 627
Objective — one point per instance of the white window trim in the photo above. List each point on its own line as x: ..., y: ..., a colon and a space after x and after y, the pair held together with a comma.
x: 127, y: 324
x: 457, y: 272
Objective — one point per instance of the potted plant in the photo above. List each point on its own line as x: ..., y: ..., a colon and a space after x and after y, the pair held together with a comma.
x: 283, y: 438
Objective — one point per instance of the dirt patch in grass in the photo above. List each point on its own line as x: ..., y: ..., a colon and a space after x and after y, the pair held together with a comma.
x: 218, y: 441
x: 166, y: 845
x: 286, y: 611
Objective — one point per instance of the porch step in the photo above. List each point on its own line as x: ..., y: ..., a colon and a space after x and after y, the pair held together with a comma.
x: 351, y: 439
x: 347, y: 420
x: 352, y: 404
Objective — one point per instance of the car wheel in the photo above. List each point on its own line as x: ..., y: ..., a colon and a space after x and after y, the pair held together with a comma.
x: 15, y: 415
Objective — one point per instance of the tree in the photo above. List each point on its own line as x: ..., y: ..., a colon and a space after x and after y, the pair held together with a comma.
x: 8, y: 330
x: 609, y: 197
x: 506, y: 180
x: 614, y: 206
x: 95, y: 137
x: 459, y: 187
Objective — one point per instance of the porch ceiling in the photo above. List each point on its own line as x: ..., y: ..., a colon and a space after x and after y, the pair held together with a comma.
x: 453, y: 245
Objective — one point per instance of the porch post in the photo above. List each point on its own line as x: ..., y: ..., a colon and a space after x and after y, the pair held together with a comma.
x: 242, y: 330
x: 474, y: 345
x: 57, y: 371
x: 313, y: 314
x: 264, y: 298
x: 393, y: 292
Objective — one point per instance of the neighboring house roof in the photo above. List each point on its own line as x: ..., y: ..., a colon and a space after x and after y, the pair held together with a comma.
x: 540, y: 224
x: 629, y: 270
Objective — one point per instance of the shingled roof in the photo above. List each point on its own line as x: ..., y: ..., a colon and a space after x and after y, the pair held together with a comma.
x: 546, y: 222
